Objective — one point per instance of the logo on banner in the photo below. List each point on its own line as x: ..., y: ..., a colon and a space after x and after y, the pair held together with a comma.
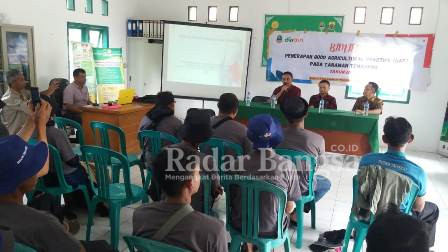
x: 293, y: 40
x: 279, y: 39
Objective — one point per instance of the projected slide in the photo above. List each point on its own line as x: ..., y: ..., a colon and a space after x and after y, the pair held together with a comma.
x: 205, y: 61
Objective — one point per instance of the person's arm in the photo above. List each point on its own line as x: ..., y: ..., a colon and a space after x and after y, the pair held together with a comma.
x: 43, y: 114
x: 28, y: 129
x: 280, y: 93
x: 73, y: 108
x: 54, y: 85
x: 311, y: 102
x: 419, y: 204
x: 375, y: 111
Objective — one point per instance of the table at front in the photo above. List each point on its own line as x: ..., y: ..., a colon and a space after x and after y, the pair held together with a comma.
x: 344, y: 131
x: 127, y: 117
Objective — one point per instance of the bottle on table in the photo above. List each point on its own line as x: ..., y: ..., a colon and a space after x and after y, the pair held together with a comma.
x: 273, y: 101
x: 321, y: 105
x: 366, y: 108
x: 248, y: 99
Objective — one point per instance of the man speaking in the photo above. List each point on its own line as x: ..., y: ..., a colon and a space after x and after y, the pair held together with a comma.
x: 287, y: 89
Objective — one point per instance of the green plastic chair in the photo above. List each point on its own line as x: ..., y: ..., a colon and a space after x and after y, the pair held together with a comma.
x: 64, y: 124
x: 362, y: 227
x: 115, y: 195
x: 103, y: 129
x: 63, y: 187
x: 147, y: 245
x: 19, y: 247
x: 155, y: 140
x: 250, y: 215
x: 295, y: 157
x: 223, y: 147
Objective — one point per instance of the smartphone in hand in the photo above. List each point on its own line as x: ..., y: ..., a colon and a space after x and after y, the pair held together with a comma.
x: 35, y: 96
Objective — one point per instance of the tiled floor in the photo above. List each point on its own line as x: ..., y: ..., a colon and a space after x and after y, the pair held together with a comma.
x: 332, y: 210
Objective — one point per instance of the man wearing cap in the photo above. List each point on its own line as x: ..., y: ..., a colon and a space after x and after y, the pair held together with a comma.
x: 195, y: 130
x: 298, y: 138
x: 22, y: 165
x: 161, y: 117
x: 226, y: 127
x: 265, y: 133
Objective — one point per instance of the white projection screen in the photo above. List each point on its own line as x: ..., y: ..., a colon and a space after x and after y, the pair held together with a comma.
x: 204, y: 61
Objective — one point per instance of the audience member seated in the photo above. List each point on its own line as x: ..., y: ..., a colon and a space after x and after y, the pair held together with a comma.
x: 76, y: 95
x: 329, y: 101
x: 394, y: 231
x: 161, y: 117
x: 385, y: 178
x: 74, y: 173
x: 196, y: 129
x: 55, y: 94
x: 224, y: 125
x: 263, y: 163
x: 287, y: 89
x: 22, y: 165
x: 179, y: 181
x: 296, y: 137
x: 15, y: 111
x: 369, y: 95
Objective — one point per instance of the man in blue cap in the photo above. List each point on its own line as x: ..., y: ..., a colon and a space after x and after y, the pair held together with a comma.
x: 21, y: 165
x: 265, y: 133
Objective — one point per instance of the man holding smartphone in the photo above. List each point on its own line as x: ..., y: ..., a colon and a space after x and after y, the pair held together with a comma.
x: 15, y: 111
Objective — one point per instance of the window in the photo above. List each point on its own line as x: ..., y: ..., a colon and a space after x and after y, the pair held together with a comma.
x: 192, y: 13
x: 233, y: 14
x: 105, y: 8
x: 212, y: 13
x: 415, y: 17
x: 387, y: 15
x: 360, y: 15
x: 71, y: 5
x: 98, y: 36
x: 89, y: 6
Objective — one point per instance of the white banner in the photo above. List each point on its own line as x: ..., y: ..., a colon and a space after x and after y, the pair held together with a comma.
x: 393, y: 62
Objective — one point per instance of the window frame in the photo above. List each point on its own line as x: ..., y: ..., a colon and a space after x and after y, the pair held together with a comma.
x: 208, y: 18
x: 410, y: 15
x: 188, y: 14
x: 70, y: 5
x: 381, y: 17
x: 105, y: 8
x: 237, y: 13
x: 365, y: 14
x: 88, y: 6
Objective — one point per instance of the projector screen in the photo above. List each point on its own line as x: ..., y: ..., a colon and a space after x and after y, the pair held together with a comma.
x: 205, y: 61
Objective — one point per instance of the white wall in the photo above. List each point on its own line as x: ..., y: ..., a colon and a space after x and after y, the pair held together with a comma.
x: 49, y: 19
x: 426, y: 109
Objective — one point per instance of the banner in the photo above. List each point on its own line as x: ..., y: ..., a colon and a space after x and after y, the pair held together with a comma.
x: 393, y: 62
x: 109, y: 73
x: 81, y: 57
x: 297, y: 23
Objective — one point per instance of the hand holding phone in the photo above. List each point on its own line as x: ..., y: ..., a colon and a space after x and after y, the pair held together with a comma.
x: 35, y: 96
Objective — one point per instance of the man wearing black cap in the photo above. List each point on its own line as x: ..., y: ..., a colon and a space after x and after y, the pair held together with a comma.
x: 225, y: 127
x: 298, y: 138
x: 161, y: 117
x: 195, y: 130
